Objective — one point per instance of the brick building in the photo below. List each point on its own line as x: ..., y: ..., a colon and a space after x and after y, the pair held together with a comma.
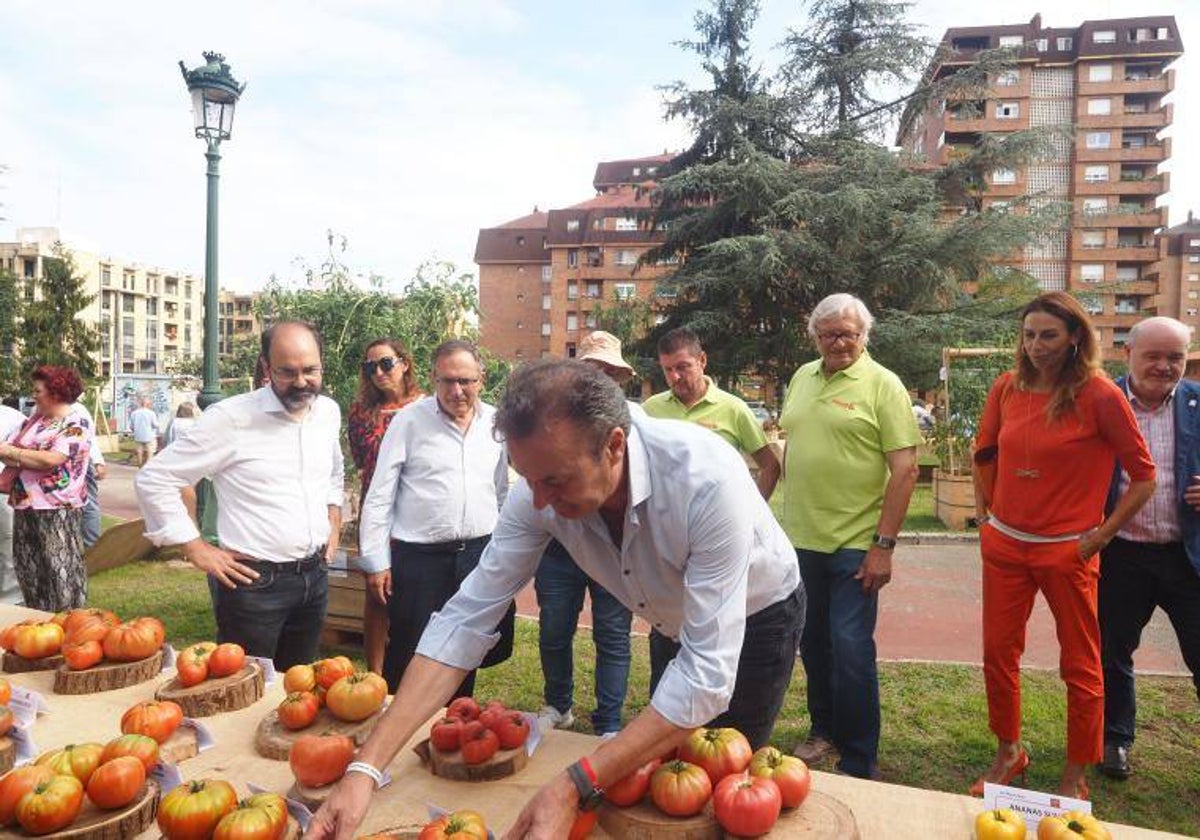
x: 1107, y: 80
x: 1178, y: 272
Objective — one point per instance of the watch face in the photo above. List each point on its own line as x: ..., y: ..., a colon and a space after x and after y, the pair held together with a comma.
x: 592, y: 801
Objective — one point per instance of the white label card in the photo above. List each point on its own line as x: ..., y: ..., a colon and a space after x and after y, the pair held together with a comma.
x: 168, y: 657
x: 535, y: 733
x: 1032, y: 805
x: 167, y: 775
x: 267, y: 665
x: 27, y: 750
x: 26, y: 705
x: 204, y: 738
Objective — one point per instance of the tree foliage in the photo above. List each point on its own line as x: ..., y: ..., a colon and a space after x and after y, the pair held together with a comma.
x: 52, y: 332
x: 10, y: 314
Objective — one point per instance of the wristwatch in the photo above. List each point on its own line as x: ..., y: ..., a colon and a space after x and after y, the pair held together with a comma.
x: 886, y: 543
x: 591, y: 795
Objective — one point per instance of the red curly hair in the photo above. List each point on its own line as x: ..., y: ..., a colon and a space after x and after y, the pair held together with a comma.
x: 61, y: 383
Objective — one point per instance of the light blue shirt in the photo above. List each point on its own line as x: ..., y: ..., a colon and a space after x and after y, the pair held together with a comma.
x: 700, y: 552
x: 144, y: 424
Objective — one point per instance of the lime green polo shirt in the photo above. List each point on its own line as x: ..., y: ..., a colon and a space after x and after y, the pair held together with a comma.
x: 721, y: 411
x: 838, y: 431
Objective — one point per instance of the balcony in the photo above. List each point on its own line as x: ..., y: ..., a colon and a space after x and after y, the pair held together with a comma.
x: 1162, y: 83
x: 1123, y: 215
x: 1158, y: 118
x: 1145, y: 154
x: 1153, y: 185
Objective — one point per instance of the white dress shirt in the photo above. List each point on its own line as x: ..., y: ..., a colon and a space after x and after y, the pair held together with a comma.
x: 95, y: 456
x: 11, y: 422
x: 275, y: 477
x: 700, y: 552
x: 433, y: 482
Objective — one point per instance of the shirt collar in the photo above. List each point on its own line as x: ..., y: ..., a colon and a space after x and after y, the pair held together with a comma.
x: 1133, y: 398
x: 639, y: 468
x: 855, y: 371
x: 710, y: 394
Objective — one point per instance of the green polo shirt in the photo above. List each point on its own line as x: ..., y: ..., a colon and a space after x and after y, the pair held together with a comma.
x: 725, y: 414
x: 838, y: 429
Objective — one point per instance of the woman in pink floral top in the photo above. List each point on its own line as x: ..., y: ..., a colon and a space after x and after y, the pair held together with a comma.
x: 51, y: 453
x: 385, y: 385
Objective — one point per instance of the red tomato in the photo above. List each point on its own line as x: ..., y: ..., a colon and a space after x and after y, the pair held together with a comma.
x: 680, y: 789
x: 37, y: 641
x: 585, y: 821
x: 298, y: 710
x: 490, y: 714
x: 82, y: 655
x: 142, y: 747
x: 76, y: 620
x: 191, y: 665
x: 259, y: 817
x: 632, y: 789
x: 158, y: 719
x: 78, y: 760
x: 16, y: 783
x: 460, y: 825
x: 133, y: 640
x: 512, y: 729
x: 5, y: 692
x: 329, y: 671
x: 357, y: 696
x: 719, y: 751
x: 299, y: 678
x: 747, y: 805
x: 153, y: 627
x: 478, y: 743
x: 319, y: 760
x: 788, y: 772
x: 9, y: 633
x: 446, y: 734
x: 51, y: 805
x: 192, y: 810
x: 116, y: 783
x: 463, y: 707
x: 6, y: 720
x: 226, y: 659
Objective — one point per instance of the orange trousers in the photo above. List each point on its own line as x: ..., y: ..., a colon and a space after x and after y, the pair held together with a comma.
x: 1013, y: 573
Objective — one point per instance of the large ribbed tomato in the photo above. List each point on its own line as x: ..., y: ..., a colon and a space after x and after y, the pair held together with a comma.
x: 1072, y: 825
x: 9, y: 633
x: 719, y: 751
x: 81, y: 655
x: 37, y: 641
x: 16, y: 783
x: 680, y: 789
x: 787, y: 771
x: 78, y: 760
x: 459, y: 825
x: 632, y: 789
x: 319, y: 760
x: 299, y: 678
x: 156, y: 718
x: 88, y: 624
x: 142, y: 747
x: 746, y: 805
x: 132, y: 640
x: 298, y: 710
x: 192, y: 810
x: 329, y: 671
x: 356, y: 696
x: 117, y: 782
x: 259, y: 817
x: 51, y: 805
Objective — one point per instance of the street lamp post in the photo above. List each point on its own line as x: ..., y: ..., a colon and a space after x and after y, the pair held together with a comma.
x: 214, y: 95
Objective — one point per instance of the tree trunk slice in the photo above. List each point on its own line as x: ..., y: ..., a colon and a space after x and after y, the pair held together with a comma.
x: 645, y: 822
x: 183, y: 744
x: 14, y: 663
x: 118, y: 824
x: 401, y: 832
x: 292, y: 832
x: 312, y: 797
x: 8, y: 754
x: 273, y: 740
x: 211, y: 697
x: 820, y: 816
x: 451, y: 765
x: 107, y: 675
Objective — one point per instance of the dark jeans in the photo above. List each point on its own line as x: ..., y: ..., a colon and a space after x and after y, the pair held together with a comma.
x: 764, y: 667
x: 91, y: 509
x: 1134, y: 579
x: 560, y: 586
x: 280, y: 615
x: 838, y: 651
x: 424, y: 577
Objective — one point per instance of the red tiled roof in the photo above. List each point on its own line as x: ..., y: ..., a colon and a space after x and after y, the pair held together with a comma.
x: 610, y: 173
x: 536, y: 219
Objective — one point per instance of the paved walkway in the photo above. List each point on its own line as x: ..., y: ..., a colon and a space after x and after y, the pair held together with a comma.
x: 930, y: 611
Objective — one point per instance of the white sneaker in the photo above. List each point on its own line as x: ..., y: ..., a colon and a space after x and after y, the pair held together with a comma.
x: 551, y: 718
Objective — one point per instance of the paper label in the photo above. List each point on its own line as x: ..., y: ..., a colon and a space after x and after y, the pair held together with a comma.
x: 267, y: 666
x: 26, y: 705
x: 167, y: 775
x: 27, y: 750
x: 1032, y: 805
x: 168, y: 657
x: 204, y: 738
x: 535, y: 733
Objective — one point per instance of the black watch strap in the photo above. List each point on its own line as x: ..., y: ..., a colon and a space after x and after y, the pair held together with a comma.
x: 886, y: 543
x: 590, y: 796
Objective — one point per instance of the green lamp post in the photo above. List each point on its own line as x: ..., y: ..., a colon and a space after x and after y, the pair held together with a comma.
x: 214, y: 94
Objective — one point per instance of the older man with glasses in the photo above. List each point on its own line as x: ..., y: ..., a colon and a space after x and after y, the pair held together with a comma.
x: 849, y: 470
x: 440, y: 479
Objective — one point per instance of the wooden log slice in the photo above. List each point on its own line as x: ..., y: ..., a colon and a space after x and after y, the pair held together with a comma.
x: 8, y: 754
x: 312, y: 797
x: 451, y: 765
x: 107, y: 675
x: 14, y: 663
x: 118, y: 824
x: 292, y: 832
x: 820, y: 816
x: 183, y: 744
x: 645, y: 822
x: 273, y: 740
x: 400, y: 832
x: 211, y: 697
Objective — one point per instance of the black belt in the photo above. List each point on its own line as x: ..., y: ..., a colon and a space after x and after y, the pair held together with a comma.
x: 312, y: 561
x: 449, y: 547
x: 1150, y: 546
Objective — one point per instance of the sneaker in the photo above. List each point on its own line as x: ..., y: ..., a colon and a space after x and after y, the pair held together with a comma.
x: 551, y: 718
x: 813, y: 748
x: 1116, y: 762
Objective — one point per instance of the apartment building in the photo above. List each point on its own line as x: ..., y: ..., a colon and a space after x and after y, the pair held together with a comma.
x: 543, y: 276
x: 236, y: 320
x: 1178, y: 272
x: 1107, y: 81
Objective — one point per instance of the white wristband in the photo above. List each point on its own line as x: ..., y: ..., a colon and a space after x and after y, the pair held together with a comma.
x: 367, y: 770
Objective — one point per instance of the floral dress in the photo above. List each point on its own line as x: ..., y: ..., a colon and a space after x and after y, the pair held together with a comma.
x: 365, y: 429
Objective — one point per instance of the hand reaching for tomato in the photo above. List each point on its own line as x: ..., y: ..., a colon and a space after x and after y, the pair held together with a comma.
x: 550, y: 814
x: 343, y: 810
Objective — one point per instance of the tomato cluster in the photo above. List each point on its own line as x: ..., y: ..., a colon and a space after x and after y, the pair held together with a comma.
x: 85, y: 637
x: 210, y: 808
x: 203, y: 660
x: 479, y: 732
x: 333, y: 683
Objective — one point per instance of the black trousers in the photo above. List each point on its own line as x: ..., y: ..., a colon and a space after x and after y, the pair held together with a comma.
x: 1134, y: 579
x: 424, y: 577
x: 764, y: 667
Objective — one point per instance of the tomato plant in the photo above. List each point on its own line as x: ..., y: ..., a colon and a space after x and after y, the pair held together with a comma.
x: 463, y: 707
x: 787, y: 771
x: 81, y: 655
x: 298, y: 710
x: 78, y: 760
x: 51, y: 805
x: 191, y: 665
x: 356, y: 696
x: 478, y: 743
x: 446, y: 734
x: 37, y: 641
x: 226, y: 659
x: 259, y: 817
x: 680, y: 789
x: 1000, y: 824
x: 512, y: 729
x: 329, y: 671
x: 1073, y: 825
x: 142, y: 747
x: 16, y: 783
x: 632, y: 789
x: 116, y: 783
x: 459, y: 825
x: 132, y: 640
x: 193, y: 809
x: 319, y: 760
x: 156, y: 718
x: 299, y: 678
x: 719, y: 751
x: 746, y: 805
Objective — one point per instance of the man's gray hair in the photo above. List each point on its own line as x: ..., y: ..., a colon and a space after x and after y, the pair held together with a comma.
x: 455, y: 345
x: 548, y: 390
x: 1181, y: 329
x: 836, y: 305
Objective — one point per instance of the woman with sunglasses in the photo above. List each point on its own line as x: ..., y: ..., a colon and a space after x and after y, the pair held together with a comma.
x: 385, y: 385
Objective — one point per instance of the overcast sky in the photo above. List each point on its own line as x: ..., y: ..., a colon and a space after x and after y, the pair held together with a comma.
x: 404, y: 126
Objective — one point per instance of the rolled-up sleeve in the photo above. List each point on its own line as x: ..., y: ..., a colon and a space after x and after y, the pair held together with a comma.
x: 375, y: 518
x: 698, y: 684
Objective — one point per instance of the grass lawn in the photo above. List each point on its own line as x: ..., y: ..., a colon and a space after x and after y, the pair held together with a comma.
x: 934, y: 716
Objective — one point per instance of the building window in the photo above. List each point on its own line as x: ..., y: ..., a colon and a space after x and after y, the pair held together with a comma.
x: 572, y: 225
x: 1008, y: 78
x: 545, y: 301
x: 1004, y: 176
x: 1194, y: 258
x: 1065, y: 44
x: 1099, y: 139
x: 1011, y: 41
x: 520, y: 241
x: 572, y: 322
x: 1091, y: 272
x: 999, y: 206
x: 151, y: 284
x: 1194, y: 243
x: 127, y: 303
x: 1099, y: 107
x: 593, y: 288
x: 626, y: 257
x: 1127, y: 274
x: 1008, y: 110
x: 547, y: 274
x: 1104, y: 36
x: 106, y: 300
x: 625, y: 291
x: 627, y: 223
x: 1100, y: 73
x: 572, y: 290
x: 1092, y: 239
x: 1043, y: 44
x: 128, y: 281
x: 545, y: 328
x: 151, y: 306
x: 589, y: 320
x: 1092, y: 304
x: 1095, y: 206
x: 572, y: 258
x: 105, y: 276
x: 1193, y: 295
x: 1192, y: 312
x: 1095, y: 174
x: 1194, y: 278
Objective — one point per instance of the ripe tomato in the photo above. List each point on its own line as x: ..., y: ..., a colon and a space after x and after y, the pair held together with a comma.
x: 585, y: 821
x: 37, y: 641
x: 132, y: 640
x: 158, y: 719
x: 787, y: 771
x: 446, y: 734
x: 298, y: 710
x: 680, y: 789
x: 116, y: 783
x: 463, y: 707
x: 226, y: 659
x: 490, y: 714
x: 746, y: 805
x: 259, y: 817
x: 88, y: 624
x: 5, y: 692
x: 512, y: 729
x: 459, y: 825
x: 1073, y: 825
x: 78, y: 760
x: 154, y: 627
x: 1000, y: 824
x: 319, y: 760
x: 193, y: 809
x: 16, y: 783
x: 478, y: 743
x: 357, y: 696
x: 331, y: 670
x: 81, y: 655
x: 9, y: 633
x: 191, y: 665
x: 51, y: 805
x: 59, y: 618
x: 299, y: 678
x: 719, y: 751
x: 632, y: 789
x: 142, y: 747
x: 6, y: 720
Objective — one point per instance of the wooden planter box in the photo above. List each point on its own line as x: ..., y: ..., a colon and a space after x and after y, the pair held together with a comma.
x: 953, y: 499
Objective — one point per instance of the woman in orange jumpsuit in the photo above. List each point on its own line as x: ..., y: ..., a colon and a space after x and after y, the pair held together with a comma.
x: 1044, y: 454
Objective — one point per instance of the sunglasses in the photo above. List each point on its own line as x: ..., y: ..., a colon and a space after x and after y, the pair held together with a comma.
x: 386, y: 364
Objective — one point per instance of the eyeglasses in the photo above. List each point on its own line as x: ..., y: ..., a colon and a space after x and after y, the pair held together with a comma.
x: 834, y: 338
x: 461, y: 381
x: 387, y: 364
x: 291, y: 374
